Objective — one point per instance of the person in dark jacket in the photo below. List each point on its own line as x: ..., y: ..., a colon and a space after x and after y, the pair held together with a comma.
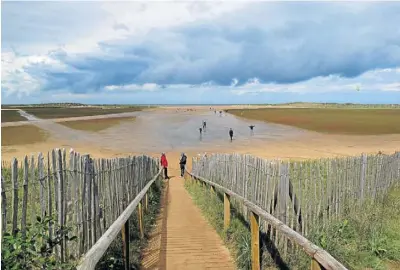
x: 182, y: 163
x: 164, y: 164
x: 251, y: 129
x: 231, y: 134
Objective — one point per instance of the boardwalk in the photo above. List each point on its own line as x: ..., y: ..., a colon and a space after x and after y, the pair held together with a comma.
x: 182, y: 238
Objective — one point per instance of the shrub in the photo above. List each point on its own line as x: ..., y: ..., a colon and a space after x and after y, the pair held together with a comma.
x: 34, y: 248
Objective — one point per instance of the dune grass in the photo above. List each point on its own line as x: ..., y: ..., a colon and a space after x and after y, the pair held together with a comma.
x: 65, y: 112
x: 335, y: 121
x: 21, y: 135
x: 369, y: 240
x: 96, y: 125
x: 11, y: 116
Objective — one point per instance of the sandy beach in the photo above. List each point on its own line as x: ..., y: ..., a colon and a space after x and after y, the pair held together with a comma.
x: 176, y: 129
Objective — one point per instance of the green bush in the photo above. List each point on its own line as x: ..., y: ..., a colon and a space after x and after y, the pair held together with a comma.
x: 34, y: 248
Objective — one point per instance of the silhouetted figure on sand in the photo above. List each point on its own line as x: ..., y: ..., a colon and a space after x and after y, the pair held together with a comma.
x: 220, y: 113
x: 252, y: 129
x: 204, y: 125
x: 231, y: 134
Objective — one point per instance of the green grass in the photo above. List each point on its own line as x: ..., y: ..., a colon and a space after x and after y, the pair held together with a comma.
x: 96, y: 125
x: 332, y: 105
x: 368, y: 240
x: 65, y: 112
x: 335, y: 121
x: 11, y: 116
x: 22, y: 135
x: 113, y: 259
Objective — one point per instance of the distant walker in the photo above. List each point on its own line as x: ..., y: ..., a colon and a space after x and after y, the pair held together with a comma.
x: 251, y: 129
x: 231, y: 134
x: 182, y: 163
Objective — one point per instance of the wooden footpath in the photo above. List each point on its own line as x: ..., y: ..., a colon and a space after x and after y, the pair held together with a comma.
x: 182, y: 238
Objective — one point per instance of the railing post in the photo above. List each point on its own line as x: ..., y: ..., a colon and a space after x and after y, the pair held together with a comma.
x: 315, y: 265
x: 255, y: 241
x: 227, y: 211
x: 146, y: 202
x: 212, y: 189
x: 125, y: 244
x: 140, y: 217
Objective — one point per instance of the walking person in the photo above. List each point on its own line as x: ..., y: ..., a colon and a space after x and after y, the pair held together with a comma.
x: 231, y: 134
x: 164, y: 164
x: 251, y: 129
x: 182, y: 164
x: 204, y: 125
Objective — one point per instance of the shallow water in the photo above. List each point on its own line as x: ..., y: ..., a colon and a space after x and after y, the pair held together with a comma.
x: 167, y: 130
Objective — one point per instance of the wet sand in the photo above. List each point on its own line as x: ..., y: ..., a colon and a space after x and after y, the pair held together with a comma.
x: 174, y: 130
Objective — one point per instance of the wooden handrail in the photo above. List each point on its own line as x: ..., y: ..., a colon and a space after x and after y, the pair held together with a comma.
x: 317, y: 253
x: 93, y: 256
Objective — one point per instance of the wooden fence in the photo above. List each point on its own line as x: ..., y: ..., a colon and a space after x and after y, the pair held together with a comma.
x: 303, y: 196
x: 79, y: 192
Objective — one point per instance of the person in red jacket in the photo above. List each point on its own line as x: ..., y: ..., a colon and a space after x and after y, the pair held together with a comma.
x: 164, y: 164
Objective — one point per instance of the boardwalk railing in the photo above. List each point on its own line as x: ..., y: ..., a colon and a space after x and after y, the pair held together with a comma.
x: 296, y: 198
x: 93, y: 256
x: 89, y: 195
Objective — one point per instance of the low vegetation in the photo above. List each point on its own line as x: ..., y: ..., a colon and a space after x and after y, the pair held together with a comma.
x: 370, y: 240
x: 333, y: 105
x: 65, y: 112
x: 113, y: 258
x: 11, y: 116
x: 336, y: 121
x: 96, y: 125
x: 21, y: 135
x: 34, y: 248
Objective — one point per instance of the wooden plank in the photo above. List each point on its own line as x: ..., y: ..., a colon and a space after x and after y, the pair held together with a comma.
x: 255, y: 241
x: 71, y: 217
x: 86, y: 176
x: 25, y: 197
x: 56, y: 180
x: 14, y: 178
x: 41, y: 183
x: 33, y: 191
x: 362, y: 179
x: 94, y: 203
x: 227, y: 211
x: 49, y: 196
x: 61, y: 201
x: 140, y: 218
x: 315, y: 265
x: 3, y: 207
x: 125, y: 244
x: 90, y: 202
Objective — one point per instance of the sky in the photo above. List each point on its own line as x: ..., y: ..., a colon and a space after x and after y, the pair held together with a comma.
x: 200, y: 52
